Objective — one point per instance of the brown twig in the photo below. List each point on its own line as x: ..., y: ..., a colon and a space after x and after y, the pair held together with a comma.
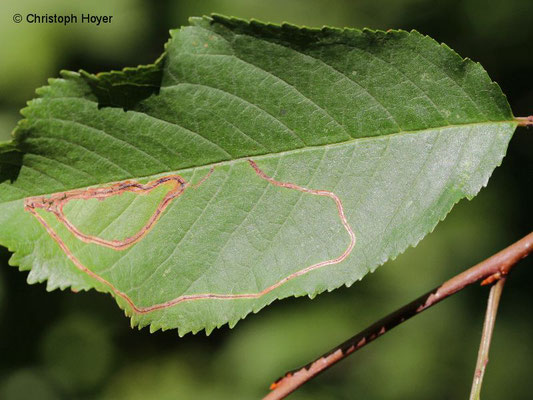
x: 486, y: 336
x: 525, y: 121
x: 490, y: 270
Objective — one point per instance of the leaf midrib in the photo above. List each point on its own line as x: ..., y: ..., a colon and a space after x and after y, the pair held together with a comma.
x: 293, y: 151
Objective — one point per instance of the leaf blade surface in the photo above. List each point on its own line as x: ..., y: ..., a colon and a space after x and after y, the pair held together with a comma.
x: 395, y: 126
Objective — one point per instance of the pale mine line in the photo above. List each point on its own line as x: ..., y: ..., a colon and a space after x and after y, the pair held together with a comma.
x: 55, y: 203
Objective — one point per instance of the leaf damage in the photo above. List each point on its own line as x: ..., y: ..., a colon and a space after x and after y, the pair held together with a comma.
x: 55, y: 203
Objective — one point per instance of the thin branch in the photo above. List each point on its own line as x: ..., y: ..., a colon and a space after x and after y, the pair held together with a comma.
x: 486, y: 336
x: 490, y: 270
x: 525, y: 121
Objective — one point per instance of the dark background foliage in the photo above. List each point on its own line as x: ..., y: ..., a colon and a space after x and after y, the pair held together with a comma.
x: 62, y: 345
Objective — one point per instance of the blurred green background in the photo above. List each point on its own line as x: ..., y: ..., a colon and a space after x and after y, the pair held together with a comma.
x: 62, y: 345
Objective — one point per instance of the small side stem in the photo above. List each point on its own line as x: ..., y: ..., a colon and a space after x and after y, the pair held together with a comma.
x: 486, y: 336
x: 490, y: 270
x: 525, y: 121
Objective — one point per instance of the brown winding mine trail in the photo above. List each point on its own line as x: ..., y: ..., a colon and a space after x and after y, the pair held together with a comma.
x: 55, y: 203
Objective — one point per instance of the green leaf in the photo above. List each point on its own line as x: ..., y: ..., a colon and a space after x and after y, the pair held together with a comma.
x: 244, y: 165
